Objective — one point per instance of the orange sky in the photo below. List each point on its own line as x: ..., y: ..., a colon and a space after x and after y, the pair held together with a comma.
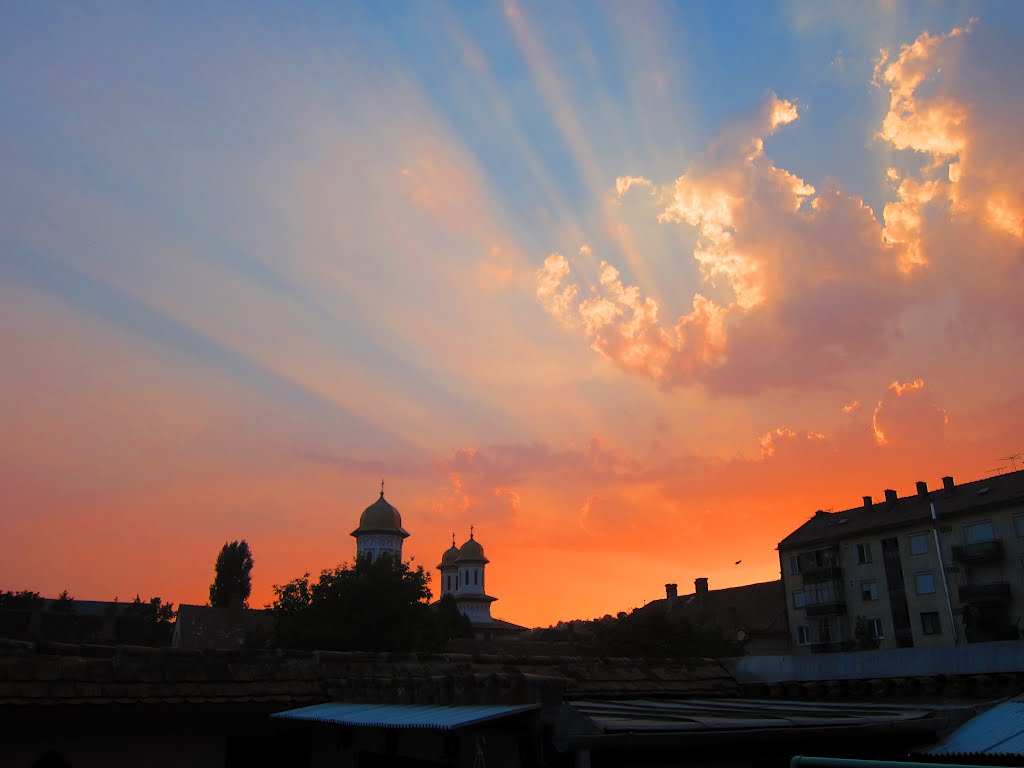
x: 630, y: 326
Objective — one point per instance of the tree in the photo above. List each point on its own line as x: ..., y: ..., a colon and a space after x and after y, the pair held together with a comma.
x: 377, y: 605
x: 450, y: 621
x: 232, y: 582
x: 20, y: 601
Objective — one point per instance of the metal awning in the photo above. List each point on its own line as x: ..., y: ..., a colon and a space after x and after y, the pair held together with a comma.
x: 435, y: 718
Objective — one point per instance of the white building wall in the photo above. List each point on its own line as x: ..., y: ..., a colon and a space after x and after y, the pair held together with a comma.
x: 375, y: 544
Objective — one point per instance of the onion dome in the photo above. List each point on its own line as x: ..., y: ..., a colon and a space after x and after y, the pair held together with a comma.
x: 471, y: 551
x: 450, y: 556
x: 380, y: 517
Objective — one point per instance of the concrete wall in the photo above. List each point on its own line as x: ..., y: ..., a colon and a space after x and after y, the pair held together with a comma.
x: 974, y: 659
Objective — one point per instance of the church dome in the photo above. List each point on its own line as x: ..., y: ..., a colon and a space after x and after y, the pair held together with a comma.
x: 471, y: 551
x: 450, y: 556
x: 380, y: 517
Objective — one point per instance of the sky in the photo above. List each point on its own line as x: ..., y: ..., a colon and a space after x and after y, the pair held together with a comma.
x: 631, y: 288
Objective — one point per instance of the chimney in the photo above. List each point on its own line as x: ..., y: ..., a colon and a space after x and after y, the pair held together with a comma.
x: 947, y: 484
x: 700, y: 585
x: 922, y: 490
x: 671, y: 592
x: 867, y: 502
x: 890, y: 495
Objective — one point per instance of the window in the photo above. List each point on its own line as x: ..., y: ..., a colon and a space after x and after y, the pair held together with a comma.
x: 831, y: 630
x: 869, y: 590
x: 794, y: 565
x: 822, y: 593
x: 799, y: 600
x: 864, y: 553
x: 875, y: 628
x: 1018, y: 523
x: 803, y: 634
x: 919, y: 544
x: 977, y: 532
x: 924, y: 583
x: 930, y: 623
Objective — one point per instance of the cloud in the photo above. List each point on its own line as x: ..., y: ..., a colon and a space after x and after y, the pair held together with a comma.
x: 624, y: 183
x: 624, y: 326
x: 797, y: 285
x: 963, y: 128
x: 909, y: 417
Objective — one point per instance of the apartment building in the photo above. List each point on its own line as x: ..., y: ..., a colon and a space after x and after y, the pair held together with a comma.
x: 938, y: 568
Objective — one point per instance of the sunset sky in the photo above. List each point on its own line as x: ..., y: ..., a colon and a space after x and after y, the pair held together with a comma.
x: 632, y: 287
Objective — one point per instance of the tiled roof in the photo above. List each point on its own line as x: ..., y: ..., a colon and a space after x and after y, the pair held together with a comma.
x: 52, y: 674
x: 997, y: 491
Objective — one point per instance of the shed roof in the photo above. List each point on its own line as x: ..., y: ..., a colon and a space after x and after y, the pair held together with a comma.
x: 435, y: 718
x: 998, y: 731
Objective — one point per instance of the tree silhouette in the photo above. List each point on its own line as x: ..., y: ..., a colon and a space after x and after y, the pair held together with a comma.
x: 374, y: 605
x: 232, y: 582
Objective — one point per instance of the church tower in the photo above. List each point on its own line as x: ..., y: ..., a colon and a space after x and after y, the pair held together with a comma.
x: 449, y: 569
x: 380, y: 530
x: 469, y: 593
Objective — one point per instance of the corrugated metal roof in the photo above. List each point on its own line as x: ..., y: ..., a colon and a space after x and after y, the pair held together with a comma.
x: 437, y: 718
x: 666, y: 715
x: 999, y: 731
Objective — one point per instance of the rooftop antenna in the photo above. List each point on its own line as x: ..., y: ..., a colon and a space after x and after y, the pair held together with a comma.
x: 1012, y: 458
x: 997, y: 470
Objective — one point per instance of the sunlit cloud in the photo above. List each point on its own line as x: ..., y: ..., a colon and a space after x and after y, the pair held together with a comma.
x: 624, y: 327
x: 908, y: 417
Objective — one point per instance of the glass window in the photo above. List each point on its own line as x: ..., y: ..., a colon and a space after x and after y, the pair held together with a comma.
x: 919, y: 544
x: 924, y: 583
x: 875, y: 627
x: 794, y: 565
x: 864, y: 553
x: 976, y: 532
x: 803, y: 634
x: 821, y: 593
x: 869, y: 590
x: 930, y: 623
x: 799, y: 600
x: 1018, y: 523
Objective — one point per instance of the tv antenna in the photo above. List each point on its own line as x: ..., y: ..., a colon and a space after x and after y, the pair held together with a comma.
x: 1012, y: 458
x: 997, y: 470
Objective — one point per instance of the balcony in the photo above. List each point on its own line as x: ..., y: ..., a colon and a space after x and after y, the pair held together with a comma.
x: 816, y: 573
x: 826, y: 609
x: 979, y: 552
x: 997, y: 592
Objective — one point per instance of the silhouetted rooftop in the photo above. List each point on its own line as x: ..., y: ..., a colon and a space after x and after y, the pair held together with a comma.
x: 825, y: 527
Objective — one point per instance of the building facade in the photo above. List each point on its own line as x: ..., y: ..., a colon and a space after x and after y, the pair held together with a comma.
x: 937, y: 568
x: 752, y: 614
